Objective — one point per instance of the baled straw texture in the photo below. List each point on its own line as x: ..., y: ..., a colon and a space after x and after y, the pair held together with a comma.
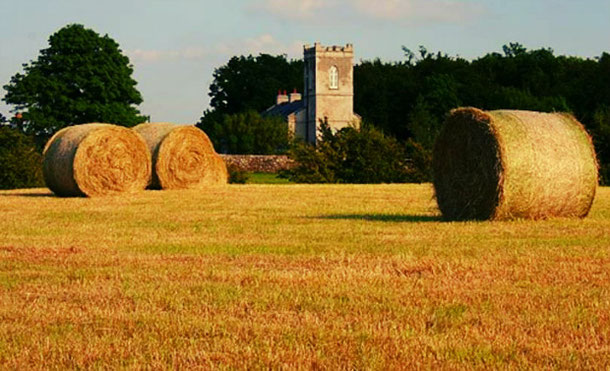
x: 513, y: 164
x: 94, y: 160
x: 219, y: 173
x: 182, y: 156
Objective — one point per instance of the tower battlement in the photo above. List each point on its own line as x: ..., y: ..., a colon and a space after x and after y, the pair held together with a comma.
x: 317, y: 47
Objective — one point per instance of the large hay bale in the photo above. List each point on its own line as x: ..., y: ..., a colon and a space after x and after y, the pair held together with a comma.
x: 513, y: 164
x: 96, y: 159
x: 220, y: 174
x: 182, y: 156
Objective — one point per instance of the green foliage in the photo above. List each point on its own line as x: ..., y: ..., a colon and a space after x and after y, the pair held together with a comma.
x: 241, y: 88
x: 81, y: 77
x: 236, y: 175
x: 251, y: 83
x: 601, y: 139
x: 423, y: 124
x: 419, y: 162
x: 246, y: 133
x: 410, y: 99
x: 20, y: 163
x: 349, y: 156
x: 514, y: 98
x: 266, y: 178
x: 313, y: 164
x: 513, y: 49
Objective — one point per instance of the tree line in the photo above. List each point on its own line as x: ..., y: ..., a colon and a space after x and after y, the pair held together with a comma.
x: 84, y: 77
x: 409, y: 99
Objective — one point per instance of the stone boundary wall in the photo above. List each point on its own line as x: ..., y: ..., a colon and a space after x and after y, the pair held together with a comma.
x: 259, y: 163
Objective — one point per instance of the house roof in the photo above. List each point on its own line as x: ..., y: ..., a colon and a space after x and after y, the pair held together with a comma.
x: 284, y: 109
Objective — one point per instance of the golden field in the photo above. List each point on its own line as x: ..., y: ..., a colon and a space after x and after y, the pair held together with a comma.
x: 296, y: 276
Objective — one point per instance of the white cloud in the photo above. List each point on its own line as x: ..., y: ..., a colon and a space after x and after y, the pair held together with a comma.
x: 268, y: 44
x: 414, y: 10
x: 387, y: 10
x: 187, y: 72
x: 384, y: 9
x: 189, y: 53
x: 292, y: 9
x: 264, y: 43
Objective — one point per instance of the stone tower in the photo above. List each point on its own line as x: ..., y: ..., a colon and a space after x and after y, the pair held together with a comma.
x: 329, y: 88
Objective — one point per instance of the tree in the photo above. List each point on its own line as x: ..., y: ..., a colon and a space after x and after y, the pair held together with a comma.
x: 601, y: 137
x: 20, y: 163
x: 250, y: 83
x: 409, y: 99
x: 513, y: 49
x: 350, y: 156
x: 81, y: 77
x: 246, y: 133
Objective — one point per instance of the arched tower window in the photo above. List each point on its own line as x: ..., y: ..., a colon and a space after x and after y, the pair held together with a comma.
x: 333, y: 77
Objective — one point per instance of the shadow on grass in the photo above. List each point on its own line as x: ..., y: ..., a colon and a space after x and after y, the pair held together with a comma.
x: 405, y: 218
x: 37, y: 194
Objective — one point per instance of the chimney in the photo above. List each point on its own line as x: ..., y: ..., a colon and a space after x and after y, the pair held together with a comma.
x: 294, y: 96
x: 281, y: 98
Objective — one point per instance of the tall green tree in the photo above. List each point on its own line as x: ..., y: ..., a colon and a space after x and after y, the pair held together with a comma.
x: 241, y: 88
x: 20, y: 162
x: 81, y: 77
x: 251, y: 83
x: 246, y: 133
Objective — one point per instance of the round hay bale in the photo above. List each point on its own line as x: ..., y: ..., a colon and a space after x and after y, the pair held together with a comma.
x: 95, y: 159
x: 182, y: 156
x: 513, y: 164
x: 220, y: 175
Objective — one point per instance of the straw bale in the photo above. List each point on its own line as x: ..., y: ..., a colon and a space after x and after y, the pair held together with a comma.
x: 182, y: 156
x: 513, y: 164
x: 220, y: 175
x: 96, y: 159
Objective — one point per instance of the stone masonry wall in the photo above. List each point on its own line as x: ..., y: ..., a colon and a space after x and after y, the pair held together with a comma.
x: 259, y: 163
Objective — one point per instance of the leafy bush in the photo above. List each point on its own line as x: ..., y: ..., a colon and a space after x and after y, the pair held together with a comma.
x: 350, y: 156
x: 20, y: 163
x: 236, y: 175
x: 419, y: 162
x: 246, y: 133
x: 601, y: 138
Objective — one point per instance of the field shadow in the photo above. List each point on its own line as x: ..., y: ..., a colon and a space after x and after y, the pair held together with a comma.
x: 405, y: 218
x: 37, y: 194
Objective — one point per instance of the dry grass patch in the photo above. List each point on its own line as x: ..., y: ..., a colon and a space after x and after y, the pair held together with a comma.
x: 298, y: 275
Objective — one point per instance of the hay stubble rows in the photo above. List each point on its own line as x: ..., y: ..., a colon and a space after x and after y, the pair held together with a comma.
x: 310, y: 275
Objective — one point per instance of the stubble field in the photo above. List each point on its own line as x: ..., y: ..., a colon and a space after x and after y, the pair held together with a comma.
x: 296, y: 276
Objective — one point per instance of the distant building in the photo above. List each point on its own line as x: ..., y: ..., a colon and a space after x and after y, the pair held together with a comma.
x: 328, y: 95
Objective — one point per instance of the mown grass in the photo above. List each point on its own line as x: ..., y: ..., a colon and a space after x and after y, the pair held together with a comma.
x: 328, y: 276
x: 266, y: 178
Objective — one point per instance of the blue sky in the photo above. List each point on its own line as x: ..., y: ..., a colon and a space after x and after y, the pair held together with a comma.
x: 174, y: 45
